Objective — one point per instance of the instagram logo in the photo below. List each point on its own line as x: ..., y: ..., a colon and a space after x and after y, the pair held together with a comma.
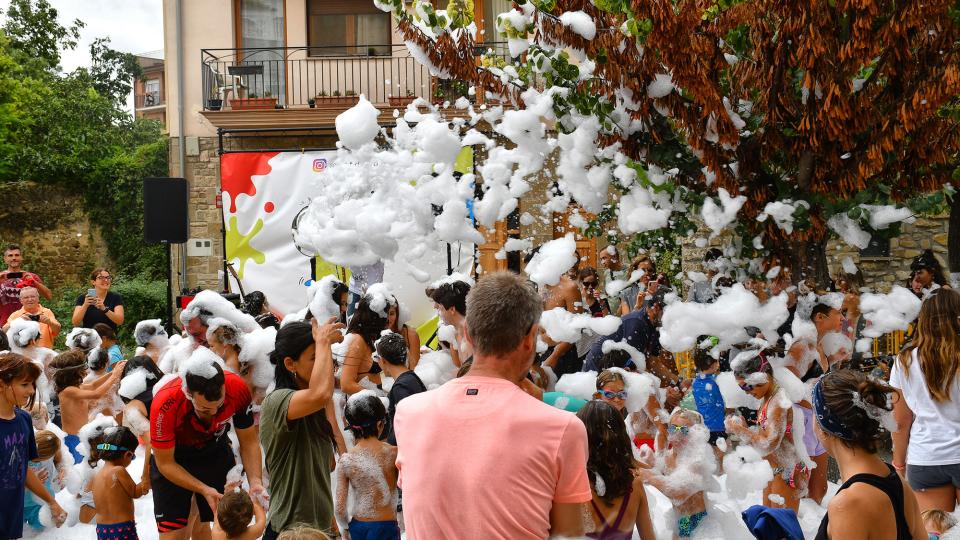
x: 319, y: 165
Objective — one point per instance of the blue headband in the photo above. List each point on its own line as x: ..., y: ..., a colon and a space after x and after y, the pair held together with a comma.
x: 828, y: 421
x: 111, y: 448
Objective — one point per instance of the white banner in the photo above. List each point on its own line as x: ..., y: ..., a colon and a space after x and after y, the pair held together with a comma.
x: 262, y: 194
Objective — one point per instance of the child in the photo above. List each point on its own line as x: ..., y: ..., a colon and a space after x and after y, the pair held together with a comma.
x: 774, y: 438
x: 108, y: 338
x: 18, y: 376
x: 75, y: 397
x: 234, y: 512
x: 611, y: 388
x: 937, y: 522
x: 706, y: 391
x: 370, y: 469
x: 619, y: 500
x: 45, y: 466
x: 113, y: 489
x: 683, y: 472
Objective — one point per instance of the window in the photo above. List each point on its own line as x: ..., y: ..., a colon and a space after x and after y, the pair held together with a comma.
x: 491, y: 9
x: 878, y: 247
x: 151, y: 90
x: 261, y: 26
x: 347, y: 28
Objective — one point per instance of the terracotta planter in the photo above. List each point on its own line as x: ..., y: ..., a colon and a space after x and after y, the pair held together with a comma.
x: 337, y: 101
x: 401, y: 101
x: 248, y: 104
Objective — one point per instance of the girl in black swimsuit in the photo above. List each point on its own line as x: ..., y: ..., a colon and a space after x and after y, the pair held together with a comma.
x: 847, y: 405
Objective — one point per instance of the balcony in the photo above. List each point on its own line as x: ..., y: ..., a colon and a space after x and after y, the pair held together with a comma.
x: 309, y: 86
x: 148, y: 100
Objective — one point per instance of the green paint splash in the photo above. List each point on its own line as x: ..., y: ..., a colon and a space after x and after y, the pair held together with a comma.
x: 238, y: 245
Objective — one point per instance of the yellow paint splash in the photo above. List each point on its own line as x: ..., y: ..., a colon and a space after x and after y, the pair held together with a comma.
x: 238, y: 245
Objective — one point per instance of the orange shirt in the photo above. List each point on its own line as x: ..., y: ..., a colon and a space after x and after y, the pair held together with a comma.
x: 46, y: 333
x: 481, y: 459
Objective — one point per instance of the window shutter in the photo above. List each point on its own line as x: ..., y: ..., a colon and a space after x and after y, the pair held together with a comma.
x: 342, y: 7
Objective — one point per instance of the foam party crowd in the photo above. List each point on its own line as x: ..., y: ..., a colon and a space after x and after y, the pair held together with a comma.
x: 569, y: 401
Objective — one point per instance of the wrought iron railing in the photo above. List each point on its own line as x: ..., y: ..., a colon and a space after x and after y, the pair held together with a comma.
x: 290, y: 77
x: 150, y: 99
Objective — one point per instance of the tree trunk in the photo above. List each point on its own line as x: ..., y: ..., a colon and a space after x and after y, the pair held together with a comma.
x: 953, y: 236
x: 810, y: 261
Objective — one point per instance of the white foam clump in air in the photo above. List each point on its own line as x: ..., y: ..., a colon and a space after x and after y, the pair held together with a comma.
x: 580, y: 23
x: 882, y: 216
x: 452, y: 278
x: 889, y: 312
x: 836, y: 343
x: 580, y: 385
x: 435, y: 368
x: 782, y: 213
x: 849, y: 231
x: 883, y: 416
x: 660, y: 86
x: 552, y: 261
x: 717, y: 218
x: 733, y: 395
x: 848, y: 265
x: 83, y: 338
x: 746, y: 471
x: 134, y: 382
x: 725, y: 318
x: 217, y: 306
x: 561, y: 325
x: 358, y: 125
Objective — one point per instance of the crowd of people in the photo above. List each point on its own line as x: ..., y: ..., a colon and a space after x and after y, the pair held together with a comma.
x: 337, y: 421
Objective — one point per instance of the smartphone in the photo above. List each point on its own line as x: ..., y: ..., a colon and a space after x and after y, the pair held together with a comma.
x: 91, y: 292
x: 14, y: 275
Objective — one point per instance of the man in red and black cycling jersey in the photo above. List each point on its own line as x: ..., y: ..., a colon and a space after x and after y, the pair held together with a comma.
x: 192, y: 452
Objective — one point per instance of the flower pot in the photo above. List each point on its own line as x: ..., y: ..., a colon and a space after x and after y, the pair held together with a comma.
x: 247, y: 104
x: 401, y: 101
x: 337, y: 101
x: 214, y: 104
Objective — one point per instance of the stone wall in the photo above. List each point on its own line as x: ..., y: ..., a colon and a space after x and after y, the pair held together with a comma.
x: 50, y: 225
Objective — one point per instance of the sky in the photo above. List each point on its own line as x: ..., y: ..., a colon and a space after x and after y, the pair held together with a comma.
x: 133, y: 26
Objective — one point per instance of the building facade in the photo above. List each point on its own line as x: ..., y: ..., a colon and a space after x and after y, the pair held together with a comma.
x: 149, y: 93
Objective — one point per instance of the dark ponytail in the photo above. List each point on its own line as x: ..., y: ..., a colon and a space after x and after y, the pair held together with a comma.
x: 859, y: 402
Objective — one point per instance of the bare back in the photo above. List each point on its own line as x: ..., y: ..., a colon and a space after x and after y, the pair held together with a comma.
x: 371, y: 472
x: 564, y: 294
x: 74, y: 410
x: 111, y: 499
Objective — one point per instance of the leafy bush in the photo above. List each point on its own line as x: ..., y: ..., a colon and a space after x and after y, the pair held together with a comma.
x: 143, y: 298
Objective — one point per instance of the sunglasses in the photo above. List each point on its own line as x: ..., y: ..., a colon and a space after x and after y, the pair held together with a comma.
x: 673, y: 428
x: 747, y: 387
x: 614, y: 395
x: 590, y: 284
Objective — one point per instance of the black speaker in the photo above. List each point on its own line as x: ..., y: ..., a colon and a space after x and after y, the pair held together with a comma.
x: 165, y: 210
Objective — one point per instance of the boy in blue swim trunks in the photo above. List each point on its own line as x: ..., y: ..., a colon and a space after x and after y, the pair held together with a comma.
x: 76, y: 397
x: 113, y: 488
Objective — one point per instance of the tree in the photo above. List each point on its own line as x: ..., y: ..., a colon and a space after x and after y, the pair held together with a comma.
x: 811, y: 110
x: 36, y: 38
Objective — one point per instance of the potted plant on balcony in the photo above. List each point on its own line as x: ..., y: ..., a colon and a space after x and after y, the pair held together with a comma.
x: 439, y: 96
x: 254, y: 102
x: 215, y: 101
x: 351, y: 98
x: 402, y: 101
x: 312, y: 103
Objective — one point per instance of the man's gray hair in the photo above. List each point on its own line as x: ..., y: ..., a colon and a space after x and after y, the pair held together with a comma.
x: 501, y: 309
x: 26, y: 289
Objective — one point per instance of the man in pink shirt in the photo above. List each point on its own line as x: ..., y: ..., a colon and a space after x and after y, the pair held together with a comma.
x: 478, y: 457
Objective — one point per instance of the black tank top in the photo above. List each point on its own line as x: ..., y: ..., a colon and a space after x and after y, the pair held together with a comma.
x: 892, y: 486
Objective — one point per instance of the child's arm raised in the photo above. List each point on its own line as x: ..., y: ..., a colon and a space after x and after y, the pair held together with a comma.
x: 256, y: 531
x: 103, y: 385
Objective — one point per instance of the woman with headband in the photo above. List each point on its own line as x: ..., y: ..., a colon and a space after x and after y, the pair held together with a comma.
x: 853, y: 415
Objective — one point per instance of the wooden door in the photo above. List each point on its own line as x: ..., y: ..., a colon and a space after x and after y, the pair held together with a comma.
x: 494, y: 240
x: 586, y: 247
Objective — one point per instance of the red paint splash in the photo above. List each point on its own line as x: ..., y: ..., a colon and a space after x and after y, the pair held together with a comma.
x: 268, y: 208
x: 237, y: 172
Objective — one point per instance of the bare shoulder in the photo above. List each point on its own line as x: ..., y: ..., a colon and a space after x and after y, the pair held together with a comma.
x: 857, y: 500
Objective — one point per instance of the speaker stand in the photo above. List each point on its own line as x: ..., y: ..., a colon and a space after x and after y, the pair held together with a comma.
x: 169, y: 289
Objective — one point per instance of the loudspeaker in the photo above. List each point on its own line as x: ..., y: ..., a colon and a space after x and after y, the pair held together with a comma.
x: 165, y: 210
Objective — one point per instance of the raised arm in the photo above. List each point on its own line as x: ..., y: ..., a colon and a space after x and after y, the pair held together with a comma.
x: 313, y: 398
x: 97, y: 392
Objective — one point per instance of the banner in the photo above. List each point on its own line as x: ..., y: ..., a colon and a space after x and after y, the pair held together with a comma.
x: 262, y: 194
